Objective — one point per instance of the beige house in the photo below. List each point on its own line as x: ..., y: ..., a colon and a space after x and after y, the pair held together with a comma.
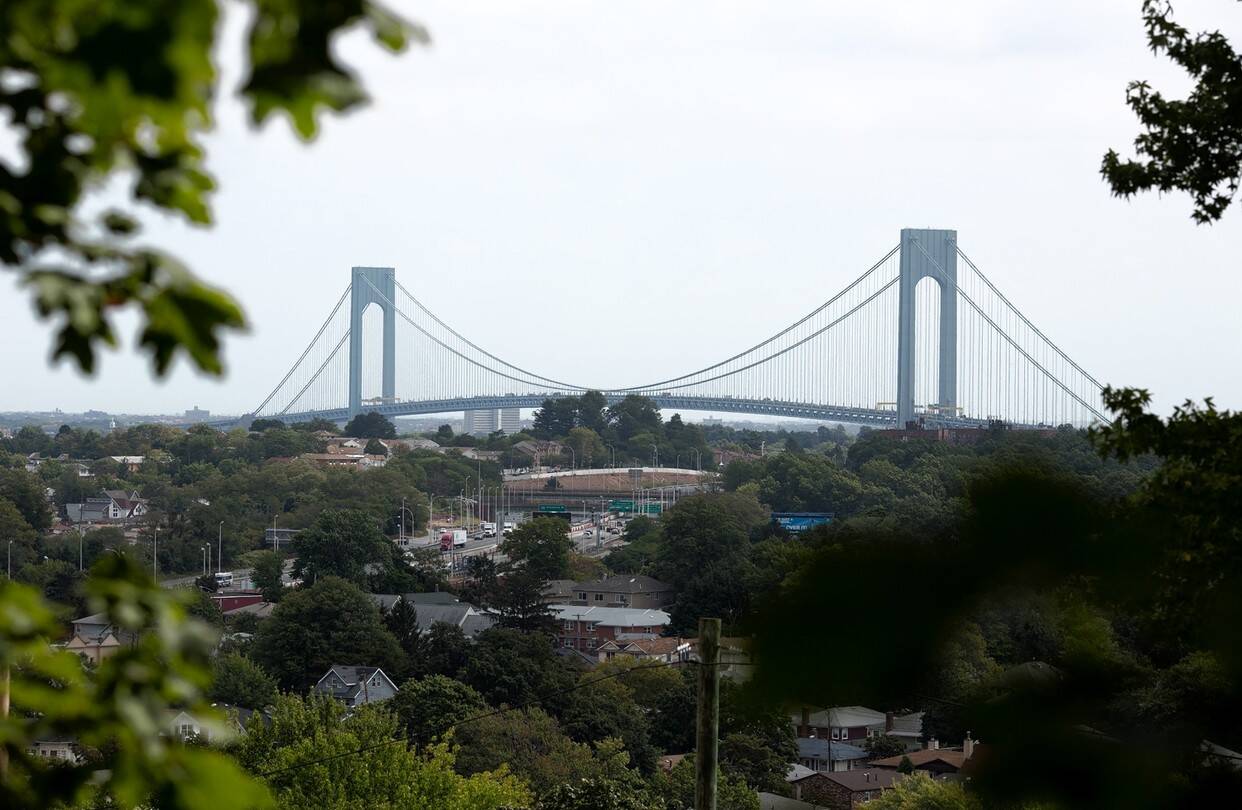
x: 94, y: 638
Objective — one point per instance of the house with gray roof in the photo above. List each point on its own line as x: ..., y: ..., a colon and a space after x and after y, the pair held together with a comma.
x: 586, y: 627
x: 826, y: 755
x: 623, y: 590
x: 354, y: 685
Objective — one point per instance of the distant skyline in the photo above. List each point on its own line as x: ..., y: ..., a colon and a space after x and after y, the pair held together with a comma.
x: 647, y: 188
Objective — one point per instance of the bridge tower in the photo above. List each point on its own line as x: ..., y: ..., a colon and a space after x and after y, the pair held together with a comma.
x: 927, y: 253
x: 372, y: 285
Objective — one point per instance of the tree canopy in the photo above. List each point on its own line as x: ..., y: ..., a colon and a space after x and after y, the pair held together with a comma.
x: 126, y: 92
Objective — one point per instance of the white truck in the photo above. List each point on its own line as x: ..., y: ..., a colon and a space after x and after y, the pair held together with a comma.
x: 488, y: 529
x: 508, y: 526
x: 460, y: 538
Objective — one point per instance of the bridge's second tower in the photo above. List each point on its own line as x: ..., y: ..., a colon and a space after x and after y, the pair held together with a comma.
x: 372, y: 285
x: 927, y: 253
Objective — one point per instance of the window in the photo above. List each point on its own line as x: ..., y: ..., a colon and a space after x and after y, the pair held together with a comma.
x: 599, y: 597
x: 187, y: 731
x: 582, y: 595
x: 836, y: 734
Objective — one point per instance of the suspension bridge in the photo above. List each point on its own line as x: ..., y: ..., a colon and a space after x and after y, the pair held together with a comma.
x: 922, y: 335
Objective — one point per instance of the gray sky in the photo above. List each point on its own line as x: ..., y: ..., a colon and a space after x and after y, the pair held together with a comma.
x: 654, y: 186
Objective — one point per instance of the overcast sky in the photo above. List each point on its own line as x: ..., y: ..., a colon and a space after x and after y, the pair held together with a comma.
x: 579, y: 185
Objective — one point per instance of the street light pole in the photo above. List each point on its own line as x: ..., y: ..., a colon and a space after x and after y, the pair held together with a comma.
x: 155, y: 555
x: 219, y: 548
x: 10, y: 559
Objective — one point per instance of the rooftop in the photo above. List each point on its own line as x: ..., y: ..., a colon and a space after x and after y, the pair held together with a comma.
x: 863, y: 779
x: 625, y: 583
x: 946, y: 755
x: 611, y: 616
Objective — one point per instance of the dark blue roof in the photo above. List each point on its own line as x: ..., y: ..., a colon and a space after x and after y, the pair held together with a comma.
x: 818, y: 748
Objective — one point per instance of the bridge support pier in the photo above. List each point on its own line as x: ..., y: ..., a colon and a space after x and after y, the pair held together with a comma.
x: 372, y: 285
x: 927, y: 253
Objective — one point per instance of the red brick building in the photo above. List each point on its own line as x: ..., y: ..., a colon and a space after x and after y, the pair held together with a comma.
x: 585, y: 628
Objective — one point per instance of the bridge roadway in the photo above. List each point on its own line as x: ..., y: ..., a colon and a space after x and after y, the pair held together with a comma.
x: 873, y: 417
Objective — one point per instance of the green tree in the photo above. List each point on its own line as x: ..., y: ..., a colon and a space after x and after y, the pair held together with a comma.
x: 443, y: 651
x: 677, y: 789
x: 358, y: 762
x: 238, y: 681
x: 1193, y: 144
x: 267, y: 574
x: 260, y: 425
x: 511, y: 669
x: 126, y: 92
x: 588, y: 447
x: 370, y: 425
x: 331, y: 622
x: 906, y: 766
x: 117, y: 710
x: 918, y: 791
x: 883, y: 746
x: 375, y: 448
x: 517, y: 599
x: 428, y: 708
x: 341, y: 543
x: 540, y: 547
x: 25, y: 491
x: 602, y: 709
x: 530, y: 743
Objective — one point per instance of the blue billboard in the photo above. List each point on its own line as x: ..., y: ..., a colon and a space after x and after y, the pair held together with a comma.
x: 801, y: 521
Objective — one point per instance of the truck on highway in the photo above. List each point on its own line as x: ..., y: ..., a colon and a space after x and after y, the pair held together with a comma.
x: 454, y: 538
x: 224, y: 579
x: 508, y: 527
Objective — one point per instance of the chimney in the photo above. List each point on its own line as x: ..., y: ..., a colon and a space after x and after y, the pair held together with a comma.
x: 806, y: 720
x: 968, y: 746
x: 933, y: 744
x: 888, y: 722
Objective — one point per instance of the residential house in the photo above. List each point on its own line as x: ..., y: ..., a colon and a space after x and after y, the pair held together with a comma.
x: 95, y: 638
x: 186, y: 726
x: 819, y: 754
x: 940, y: 763
x: 58, y: 748
x: 635, y: 591
x: 666, y: 649
x: 559, y: 591
x: 843, y: 790
x: 110, y: 506
x: 906, y: 727
x: 539, y: 450
x: 131, y: 463
x: 775, y: 801
x: 585, y: 628
x: 356, y: 461
x: 475, y: 454
x: 354, y: 686
x: 844, y: 723
x: 446, y: 608
x: 385, y: 601
x: 233, y: 600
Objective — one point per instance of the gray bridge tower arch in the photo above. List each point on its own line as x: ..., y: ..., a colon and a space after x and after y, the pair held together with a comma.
x: 372, y: 285
x: 927, y: 253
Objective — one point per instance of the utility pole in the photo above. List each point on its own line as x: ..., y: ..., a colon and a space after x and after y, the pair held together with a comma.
x: 708, y: 715
x: 219, y: 548
x: 155, y: 555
